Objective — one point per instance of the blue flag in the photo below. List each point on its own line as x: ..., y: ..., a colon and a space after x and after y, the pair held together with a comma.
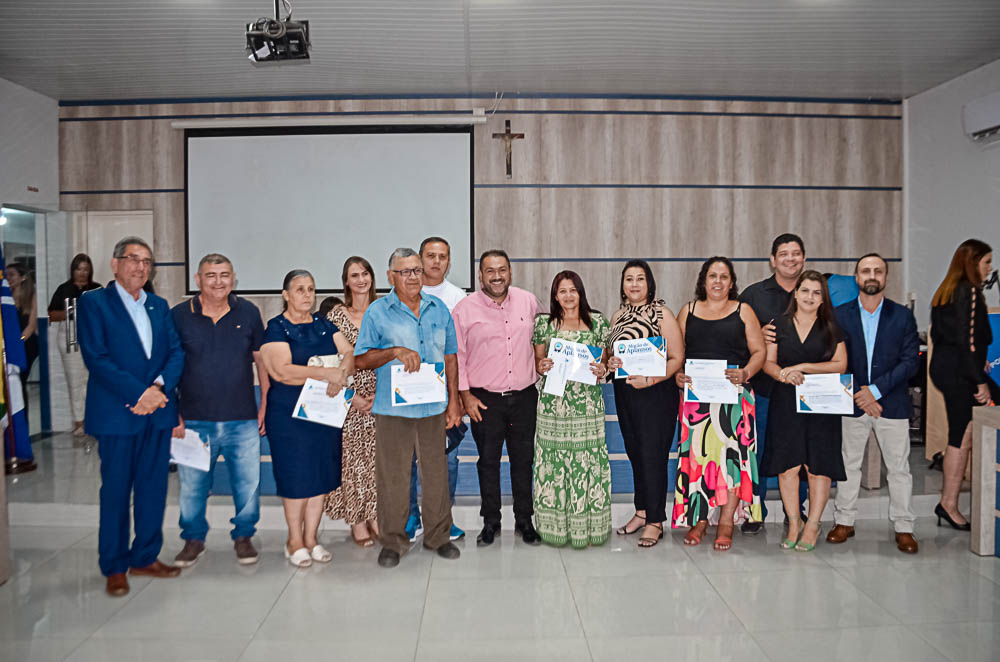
x: 17, y: 441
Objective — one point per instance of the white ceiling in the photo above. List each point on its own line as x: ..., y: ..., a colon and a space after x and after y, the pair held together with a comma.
x: 127, y: 49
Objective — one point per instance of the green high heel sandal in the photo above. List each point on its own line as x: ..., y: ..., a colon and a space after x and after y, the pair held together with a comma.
x: 804, y: 546
x: 788, y: 543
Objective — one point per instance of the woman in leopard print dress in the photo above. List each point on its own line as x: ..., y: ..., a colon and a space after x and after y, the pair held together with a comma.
x: 354, y: 500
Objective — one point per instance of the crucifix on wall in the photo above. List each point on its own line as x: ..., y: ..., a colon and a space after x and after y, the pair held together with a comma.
x: 508, y: 141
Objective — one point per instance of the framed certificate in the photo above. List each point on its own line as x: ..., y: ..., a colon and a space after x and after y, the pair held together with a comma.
x: 709, y: 382
x: 315, y: 406
x: 425, y: 386
x: 825, y: 394
x: 645, y: 357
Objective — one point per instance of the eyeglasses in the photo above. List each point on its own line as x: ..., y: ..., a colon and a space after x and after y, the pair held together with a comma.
x: 135, y: 259
x: 406, y: 273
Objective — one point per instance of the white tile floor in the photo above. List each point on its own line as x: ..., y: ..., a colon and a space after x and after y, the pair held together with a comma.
x: 859, y: 601
x: 862, y: 600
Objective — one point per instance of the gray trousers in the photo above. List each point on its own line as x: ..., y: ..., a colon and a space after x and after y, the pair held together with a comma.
x: 893, y: 435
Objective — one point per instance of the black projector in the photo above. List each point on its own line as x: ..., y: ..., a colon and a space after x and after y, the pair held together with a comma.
x: 270, y: 40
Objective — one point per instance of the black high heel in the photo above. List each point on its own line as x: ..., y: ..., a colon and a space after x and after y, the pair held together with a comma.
x: 942, y: 514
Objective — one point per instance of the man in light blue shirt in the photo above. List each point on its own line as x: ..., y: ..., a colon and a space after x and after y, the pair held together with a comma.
x: 409, y: 328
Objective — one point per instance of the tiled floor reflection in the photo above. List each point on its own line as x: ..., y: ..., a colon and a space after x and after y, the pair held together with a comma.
x: 862, y: 600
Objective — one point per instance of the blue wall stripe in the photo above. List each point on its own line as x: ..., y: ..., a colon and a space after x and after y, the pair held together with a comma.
x: 69, y: 103
x: 680, y: 259
x: 765, y: 187
x: 44, y: 383
x: 123, y: 191
x: 996, y: 536
x: 374, y: 113
x: 111, y: 118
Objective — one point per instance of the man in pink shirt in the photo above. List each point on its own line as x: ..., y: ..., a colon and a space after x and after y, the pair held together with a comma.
x: 496, y: 380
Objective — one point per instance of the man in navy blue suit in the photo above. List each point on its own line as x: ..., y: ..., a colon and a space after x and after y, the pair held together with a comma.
x: 882, y: 354
x: 134, y: 356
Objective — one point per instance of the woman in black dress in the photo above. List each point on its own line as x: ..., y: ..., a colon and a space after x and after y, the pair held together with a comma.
x: 807, y: 342
x: 960, y: 331
x: 305, y: 456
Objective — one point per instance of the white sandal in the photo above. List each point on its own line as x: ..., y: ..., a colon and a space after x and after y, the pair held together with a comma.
x: 321, y: 554
x: 300, y: 558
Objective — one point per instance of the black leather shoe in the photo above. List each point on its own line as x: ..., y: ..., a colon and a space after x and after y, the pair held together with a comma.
x: 527, y: 532
x: 488, y: 534
x: 448, y: 551
x: 751, y: 528
x: 388, y: 558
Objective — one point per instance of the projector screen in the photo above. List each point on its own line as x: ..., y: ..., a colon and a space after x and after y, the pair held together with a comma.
x: 272, y: 200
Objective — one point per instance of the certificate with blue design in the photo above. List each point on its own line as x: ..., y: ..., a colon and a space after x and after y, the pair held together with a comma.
x: 425, y: 386
x: 570, y: 362
x: 709, y: 382
x: 642, y: 357
x: 825, y: 394
x: 315, y: 406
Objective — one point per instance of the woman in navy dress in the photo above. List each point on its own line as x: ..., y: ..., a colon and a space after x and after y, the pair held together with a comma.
x: 305, y: 456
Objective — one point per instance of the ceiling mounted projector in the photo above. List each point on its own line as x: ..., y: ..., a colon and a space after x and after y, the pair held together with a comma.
x: 276, y: 40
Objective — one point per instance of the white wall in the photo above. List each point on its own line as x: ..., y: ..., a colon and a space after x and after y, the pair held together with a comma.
x: 29, y: 148
x: 952, y: 186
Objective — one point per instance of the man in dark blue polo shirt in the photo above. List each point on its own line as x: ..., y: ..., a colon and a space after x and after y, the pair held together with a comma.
x: 221, y: 335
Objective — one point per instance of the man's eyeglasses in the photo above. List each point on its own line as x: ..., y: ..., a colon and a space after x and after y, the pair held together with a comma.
x: 135, y: 259
x: 406, y: 273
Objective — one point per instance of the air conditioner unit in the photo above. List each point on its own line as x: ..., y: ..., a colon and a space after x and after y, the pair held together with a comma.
x: 981, y: 119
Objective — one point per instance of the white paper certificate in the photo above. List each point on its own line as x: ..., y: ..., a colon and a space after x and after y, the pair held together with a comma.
x: 709, y: 382
x: 315, y: 406
x: 426, y: 385
x: 570, y: 362
x: 825, y: 394
x: 645, y: 357
x: 190, y: 451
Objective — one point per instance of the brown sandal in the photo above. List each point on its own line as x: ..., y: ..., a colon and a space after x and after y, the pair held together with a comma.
x: 625, y: 531
x: 650, y: 542
x: 693, y: 536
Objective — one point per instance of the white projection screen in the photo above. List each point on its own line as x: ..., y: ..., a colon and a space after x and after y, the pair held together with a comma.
x: 273, y: 200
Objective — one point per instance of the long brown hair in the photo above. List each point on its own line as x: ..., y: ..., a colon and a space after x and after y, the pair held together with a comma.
x: 25, y: 291
x: 348, y: 294
x: 964, y: 269
x: 824, y: 314
x: 555, y: 310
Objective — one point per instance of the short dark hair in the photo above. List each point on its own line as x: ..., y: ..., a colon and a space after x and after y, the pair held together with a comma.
x: 433, y: 240
x: 787, y: 238
x: 884, y: 261
x: 650, y: 281
x: 493, y: 252
x: 214, y: 258
x: 701, y: 292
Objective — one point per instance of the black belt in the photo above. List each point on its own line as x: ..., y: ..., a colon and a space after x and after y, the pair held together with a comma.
x: 502, y: 394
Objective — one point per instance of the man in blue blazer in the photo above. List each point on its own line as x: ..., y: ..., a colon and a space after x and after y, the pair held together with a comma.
x: 882, y: 353
x: 134, y: 357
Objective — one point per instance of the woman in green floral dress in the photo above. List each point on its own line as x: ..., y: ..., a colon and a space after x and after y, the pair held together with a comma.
x: 572, y: 472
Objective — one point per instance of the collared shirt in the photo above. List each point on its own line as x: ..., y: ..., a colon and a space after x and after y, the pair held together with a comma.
x: 494, y: 341
x: 869, y: 325
x: 140, y: 318
x: 388, y: 323
x: 217, y: 382
x: 769, y: 301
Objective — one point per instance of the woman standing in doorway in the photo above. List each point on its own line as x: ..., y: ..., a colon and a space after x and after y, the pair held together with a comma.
x: 81, y: 279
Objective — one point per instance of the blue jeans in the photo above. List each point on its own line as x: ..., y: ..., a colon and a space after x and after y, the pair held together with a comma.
x: 451, y: 451
x: 239, y: 443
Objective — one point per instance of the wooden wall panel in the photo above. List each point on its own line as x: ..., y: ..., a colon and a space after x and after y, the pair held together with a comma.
x: 593, y: 179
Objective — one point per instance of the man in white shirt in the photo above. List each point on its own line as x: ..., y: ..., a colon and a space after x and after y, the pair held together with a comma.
x: 435, y: 255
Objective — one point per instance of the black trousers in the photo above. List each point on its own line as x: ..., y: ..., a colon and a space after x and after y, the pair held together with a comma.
x: 511, y: 419
x: 647, y: 418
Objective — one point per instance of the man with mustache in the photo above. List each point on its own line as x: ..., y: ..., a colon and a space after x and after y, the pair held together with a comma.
x: 496, y: 380
x: 882, y: 353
